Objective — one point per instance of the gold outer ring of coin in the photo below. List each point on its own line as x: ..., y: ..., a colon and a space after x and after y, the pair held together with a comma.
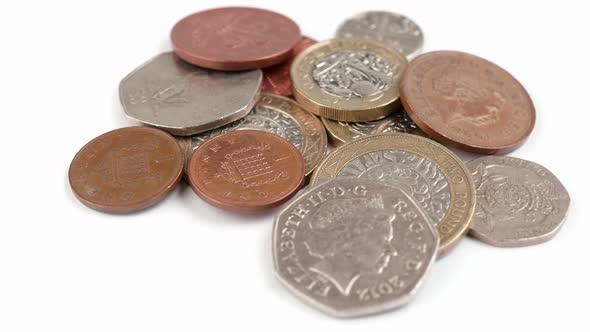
x: 457, y: 220
x: 314, y: 99
x: 343, y: 132
x: 314, y: 133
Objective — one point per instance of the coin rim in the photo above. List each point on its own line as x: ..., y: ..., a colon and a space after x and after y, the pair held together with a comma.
x: 390, y: 141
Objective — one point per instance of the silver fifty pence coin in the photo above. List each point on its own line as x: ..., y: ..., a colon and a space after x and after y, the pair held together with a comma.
x: 519, y: 203
x: 393, y: 29
x: 352, y: 247
x: 183, y: 99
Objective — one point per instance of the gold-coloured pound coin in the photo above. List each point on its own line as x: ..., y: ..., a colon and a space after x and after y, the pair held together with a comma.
x: 280, y: 116
x: 397, y: 122
x: 348, y: 79
x: 434, y: 176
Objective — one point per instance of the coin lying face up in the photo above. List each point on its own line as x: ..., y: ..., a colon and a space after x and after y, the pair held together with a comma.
x: 246, y: 170
x: 182, y: 99
x: 353, y: 247
x: 283, y: 117
x: 519, y: 203
x: 466, y: 101
x: 126, y: 170
x: 348, y: 79
x: 235, y: 38
x: 433, y: 176
x: 394, y: 29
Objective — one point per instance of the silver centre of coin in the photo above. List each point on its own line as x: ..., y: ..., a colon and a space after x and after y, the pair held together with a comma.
x: 183, y: 99
x: 394, y: 29
x: 397, y: 122
x: 260, y: 118
x: 519, y: 202
x: 416, y: 175
x: 353, y: 247
x: 353, y: 74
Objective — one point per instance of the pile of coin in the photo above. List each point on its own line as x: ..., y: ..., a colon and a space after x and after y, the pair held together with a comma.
x: 384, y: 204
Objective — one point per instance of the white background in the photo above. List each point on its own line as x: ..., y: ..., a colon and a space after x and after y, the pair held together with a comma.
x: 185, y: 266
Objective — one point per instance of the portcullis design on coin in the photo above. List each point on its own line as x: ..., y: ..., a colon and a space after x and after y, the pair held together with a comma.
x: 351, y: 247
x: 519, y: 203
x: 126, y: 170
x: 394, y: 29
x: 246, y: 170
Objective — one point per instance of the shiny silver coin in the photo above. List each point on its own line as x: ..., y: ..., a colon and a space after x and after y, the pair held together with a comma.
x: 394, y: 29
x: 183, y: 99
x: 352, y: 247
x: 519, y: 203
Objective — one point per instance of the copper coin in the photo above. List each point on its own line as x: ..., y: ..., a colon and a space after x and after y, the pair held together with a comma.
x: 277, y: 79
x: 235, y: 38
x: 246, y: 170
x: 468, y: 102
x: 126, y: 170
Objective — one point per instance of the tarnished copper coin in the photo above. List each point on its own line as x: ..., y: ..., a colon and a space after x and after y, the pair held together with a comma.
x: 246, y: 170
x: 468, y: 102
x: 126, y: 170
x: 235, y: 38
x: 277, y: 79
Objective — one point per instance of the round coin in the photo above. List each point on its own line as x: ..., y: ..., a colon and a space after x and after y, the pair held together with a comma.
x: 246, y: 170
x: 397, y: 122
x: 235, y: 38
x: 353, y: 247
x: 277, y: 79
x: 519, y: 203
x: 182, y: 99
x: 126, y: 170
x: 468, y: 102
x: 434, y: 176
x: 394, y: 29
x: 283, y: 117
x: 348, y: 79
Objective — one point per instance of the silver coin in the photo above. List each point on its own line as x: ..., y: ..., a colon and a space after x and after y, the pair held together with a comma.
x: 183, y: 99
x: 394, y: 29
x: 519, y: 203
x: 352, y: 247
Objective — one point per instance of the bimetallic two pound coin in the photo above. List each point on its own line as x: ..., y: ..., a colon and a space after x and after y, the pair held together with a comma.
x: 246, y: 170
x: 434, y: 176
x: 280, y: 116
x: 468, y: 102
x: 348, y: 79
x: 352, y: 247
x: 519, y: 203
x: 126, y: 170
x: 397, y: 122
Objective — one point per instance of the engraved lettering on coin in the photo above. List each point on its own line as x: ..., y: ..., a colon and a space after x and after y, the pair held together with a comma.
x: 353, y: 74
x: 416, y: 175
x: 518, y: 202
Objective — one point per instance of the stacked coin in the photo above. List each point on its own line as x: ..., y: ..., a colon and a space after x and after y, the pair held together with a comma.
x: 378, y: 210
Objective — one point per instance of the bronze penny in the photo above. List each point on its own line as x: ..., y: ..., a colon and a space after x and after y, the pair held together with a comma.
x: 126, y: 170
x: 246, y: 170
x: 468, y: 102
x: 235, y: 38
x: 277, y: 79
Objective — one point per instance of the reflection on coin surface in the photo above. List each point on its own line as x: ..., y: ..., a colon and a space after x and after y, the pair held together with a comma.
x: 283, y: 117
x: 348, y: 79
x: 352, y: 247
x: 397, y: 122
x: 246, y: 170
x: 519, y: 203
x: 126, y: 170
x: 466, y: 101
x: 235, y: 38
x: 394, y: 29
x: 183, y: 99
x: 276, y: 79
x: 434, y: 176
